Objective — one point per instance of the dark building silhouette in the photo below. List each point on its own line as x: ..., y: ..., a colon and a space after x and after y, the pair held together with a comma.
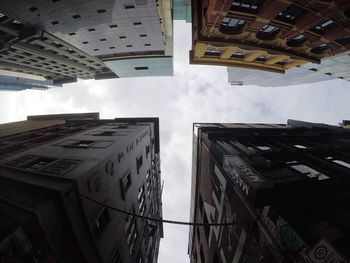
x: 49, y: 164
x: 286, y: 188
x: 269, y: 35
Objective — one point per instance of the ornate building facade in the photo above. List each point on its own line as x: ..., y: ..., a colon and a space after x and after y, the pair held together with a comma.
x: 271, y: 35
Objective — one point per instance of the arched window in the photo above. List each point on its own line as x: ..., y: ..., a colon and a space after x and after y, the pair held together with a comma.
x: 232, y: 26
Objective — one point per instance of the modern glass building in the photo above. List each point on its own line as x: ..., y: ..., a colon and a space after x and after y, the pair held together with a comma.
x: 17, y: 83
x: 106, y: 30
x: 182, y: 10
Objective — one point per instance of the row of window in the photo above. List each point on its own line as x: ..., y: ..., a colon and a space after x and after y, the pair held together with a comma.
x: 300, y: 166
x: 45, y: 165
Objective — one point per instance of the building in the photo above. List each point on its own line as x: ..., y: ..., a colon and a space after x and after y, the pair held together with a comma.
x: 182, y: 10
x: 95, y: 39
x: 16, y: 83
x: 56, y: 174
x: 336, y: 67
x: 268, y: 35
x: 283, y: 188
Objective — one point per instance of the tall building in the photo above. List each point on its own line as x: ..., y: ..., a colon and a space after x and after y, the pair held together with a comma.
x: 283, y: 190
x: 269, y: 35
x: 87, y: 39
x: 58, y: 173
x: 336, y: 67
x: 182, y: 10
x: 16, y: 83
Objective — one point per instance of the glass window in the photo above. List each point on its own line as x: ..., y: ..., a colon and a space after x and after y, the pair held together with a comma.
x: 299, y: 146
x: 125, y: 183
x: 307, y: 170
x: 101, y: 223
x: 251, y: 6
x: 232, y: 25
x: 291, y: 14
x: 138, y: 163
x: 338, y: 161
x: 323, y: 26
x: 268, y: 29
x: 264, y: 148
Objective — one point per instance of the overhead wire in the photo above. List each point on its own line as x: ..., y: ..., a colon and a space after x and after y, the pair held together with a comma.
x: 160, y: 220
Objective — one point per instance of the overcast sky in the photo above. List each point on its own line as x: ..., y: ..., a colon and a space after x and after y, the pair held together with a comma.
x: 195, y: 94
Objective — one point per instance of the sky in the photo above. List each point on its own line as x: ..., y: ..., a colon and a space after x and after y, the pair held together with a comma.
x: 195, y: 94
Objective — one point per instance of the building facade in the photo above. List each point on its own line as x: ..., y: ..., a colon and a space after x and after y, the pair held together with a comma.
x: 268, y: 35
x: 115, y: 35
x: 11, y: 83
x: 182, y: 10
x: 283, y: 190
x: 58, y: 172
x: 336, y: 67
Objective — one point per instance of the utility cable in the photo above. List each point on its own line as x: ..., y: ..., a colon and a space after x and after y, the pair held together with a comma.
x: 161, y: 220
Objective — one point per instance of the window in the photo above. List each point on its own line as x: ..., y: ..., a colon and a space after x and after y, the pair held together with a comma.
x: 131, y: 232
x: 103, y: 39
x: 86, y: 42
x: 138, y: 163
x: 306, y: 170
x: 91, y: 29
x: 60, y: 167
x: 96, y: 49
x: 71, y: 34
x: 100, y: 11
x: 299, y: 146
x: 141, y: 68
x: 320, y: 49
x: 81, y: 144
x: 125, y: 183
x: 147, y: 45
x: 128, y: 45
x: 32, y: 9
x: 263, y: 148
x: 122, y: 37
x: 129, y: 6
x: 55, y: 22
x: 141, y: 200
x: 232, y: 25
x: 320, y: 29
x: 268, y: 29
x: 111, y: 47
x: 101, y: 223
x: 76, y: 16
x: 105, y: 133
x: 338, y: 161
x: 37, y: 164
x: 343, y: 40
x: 250, y: 6
x: 113, y: 26
x: 213, y: 53
x: 143, y: 35
x: 137, y: 23
x: 267, y: 32
x: 291, y: 14
x: 297, y: 41
x: 147, y: 151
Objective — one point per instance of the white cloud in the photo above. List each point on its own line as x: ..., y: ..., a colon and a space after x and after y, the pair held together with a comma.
x: 195, y: 94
